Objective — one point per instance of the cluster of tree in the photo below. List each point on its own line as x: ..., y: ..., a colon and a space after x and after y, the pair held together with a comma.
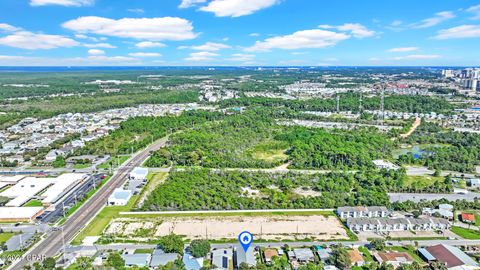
x: 173, y: 243
x: 448, y: 150
x: 202, y: 189
x: 137, y: 133
x: 318, y: 148
x: 458, y: 204
x: 351, y: 102
x: 219, y: 144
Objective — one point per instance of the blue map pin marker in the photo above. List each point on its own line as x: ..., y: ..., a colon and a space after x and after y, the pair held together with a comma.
x: 245, y: 238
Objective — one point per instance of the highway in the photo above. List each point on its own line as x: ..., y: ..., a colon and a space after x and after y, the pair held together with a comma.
x: 56, y: 240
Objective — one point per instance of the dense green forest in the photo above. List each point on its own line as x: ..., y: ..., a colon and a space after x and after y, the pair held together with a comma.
x: 195, y: 189
x: 351, y: 102
x: 449, y: 150
x: 137, y: 133
x: 221, y: 144
x: 240, y: 139
x: 335, y: 150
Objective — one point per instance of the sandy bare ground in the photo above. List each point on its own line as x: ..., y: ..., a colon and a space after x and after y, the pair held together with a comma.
x: 315, y: 227
x: 415, y: 125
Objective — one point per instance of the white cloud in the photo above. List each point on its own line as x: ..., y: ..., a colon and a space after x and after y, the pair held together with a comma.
x: 144, y: 54
x: 96, y: 52
x: 190, y: 3
x: 210, y: 46
x: 437, y: 19
x: 476, y: 12
x: 254, y: 34
x: 136, y: 10
x: 32, y: 41
x: 67, y: 3
x: 403, y: 49
x: 155, y: 29
x: 100, y: 45
x: 237, y: 8
x: 242, y: 57
x: 93, y: 60
x: 396, y: 23
x: 149, y: 44
x: 298, y: 53
x: 462, y: 31
x: 357, y: 30
x: 8, y: 27
x: 201, y: 57
x: 418, y: 57
x: 315, y: 38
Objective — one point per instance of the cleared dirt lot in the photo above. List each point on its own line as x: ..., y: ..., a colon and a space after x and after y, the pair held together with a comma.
x: 317, y: 227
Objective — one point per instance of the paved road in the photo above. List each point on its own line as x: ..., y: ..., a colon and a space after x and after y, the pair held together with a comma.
x: 55, y: 240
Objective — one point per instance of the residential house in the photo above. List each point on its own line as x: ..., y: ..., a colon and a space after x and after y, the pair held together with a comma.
x: 394, y: 258
x: 192, y: 263
x: 139, y: 260
x: 362, y: 212
x: 160, y: 258
x: 304, y: 255
x: 356, y: 257
x: 269, y: 254
x: 474, y: 183
x: 222, y: 259
x: 246, y: 257
x: 397, y: 224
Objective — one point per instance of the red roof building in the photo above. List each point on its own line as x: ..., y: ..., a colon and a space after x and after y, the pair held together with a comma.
x: 468, y: 218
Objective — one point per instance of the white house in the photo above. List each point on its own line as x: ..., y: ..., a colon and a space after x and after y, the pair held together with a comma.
x: 119, y: 197
x: 139, y: 173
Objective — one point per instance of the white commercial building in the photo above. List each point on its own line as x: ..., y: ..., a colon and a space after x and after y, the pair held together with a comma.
x: 119, y: 197
x: 63, y: 184
x: 19, y: 214
x: 25, y: 190
x: 139, y: 173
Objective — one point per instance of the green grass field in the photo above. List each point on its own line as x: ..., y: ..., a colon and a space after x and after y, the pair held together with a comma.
x: 466, y: 233
x: 33, y: 203
x: 421, y: 181
x: 5, y: 236
x: 101, y: 221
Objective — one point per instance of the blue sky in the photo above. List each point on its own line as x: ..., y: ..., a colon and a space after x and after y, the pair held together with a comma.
x: 239, y: 32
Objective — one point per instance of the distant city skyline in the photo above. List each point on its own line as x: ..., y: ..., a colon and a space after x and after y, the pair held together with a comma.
x: 239, y: 33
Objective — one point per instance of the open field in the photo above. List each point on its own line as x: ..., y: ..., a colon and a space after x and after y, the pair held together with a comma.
x: 466, y: 233
x: 265, y: 227
x: 5, y: 236
x: 98, y: 224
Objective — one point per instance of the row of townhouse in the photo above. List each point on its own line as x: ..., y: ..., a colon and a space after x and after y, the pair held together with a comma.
x: 362, y: 212
x: 397, y: 224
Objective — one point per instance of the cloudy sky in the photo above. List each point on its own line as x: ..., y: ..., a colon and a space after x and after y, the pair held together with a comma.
x: 239, y: 32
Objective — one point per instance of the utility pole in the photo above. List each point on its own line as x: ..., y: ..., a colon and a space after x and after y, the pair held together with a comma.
x: 338, y: 103
x: 382, y: 103
x: 63, y: 241
x: 360, y: 108
x: 63, y: 208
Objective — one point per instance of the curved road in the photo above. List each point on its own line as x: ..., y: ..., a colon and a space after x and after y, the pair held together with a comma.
x: 55, y: 240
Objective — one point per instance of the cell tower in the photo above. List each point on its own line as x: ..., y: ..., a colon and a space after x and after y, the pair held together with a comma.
x: 382, y: 102
x: 338, y: 103
x: 360, y: 107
